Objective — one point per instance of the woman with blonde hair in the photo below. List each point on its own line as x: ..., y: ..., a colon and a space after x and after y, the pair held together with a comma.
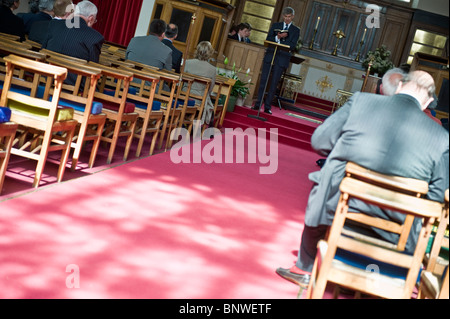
x: 200, y: 66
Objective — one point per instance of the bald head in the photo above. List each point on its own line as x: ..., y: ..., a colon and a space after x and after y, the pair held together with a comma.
x: 420, y: 85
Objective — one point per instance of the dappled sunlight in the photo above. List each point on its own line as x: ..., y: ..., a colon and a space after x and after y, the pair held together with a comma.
x: 152, y: 229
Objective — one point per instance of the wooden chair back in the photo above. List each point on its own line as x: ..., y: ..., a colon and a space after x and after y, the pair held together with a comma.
x: 144, y: 99
x: 222, y: 87
x: 386, y: 192
x: 434, y: 279
x: 38, y: 117
x: 7, y: 133
x: 81, y: 96
x: 120, y: 122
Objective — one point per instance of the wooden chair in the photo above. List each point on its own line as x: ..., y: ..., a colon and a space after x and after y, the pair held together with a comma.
x: 53, y: 54
x: 165, y: 93
x: 7, y: 133
x: 434, y: 279
x: 87, y: 112
x: 6, y: 49
x: 222, y: 89
x: 195, y: 112
x: 9, y: 36
x: 365, y: 263
x: 39, y: 118
x: 121, y: 115
x: 149, y: 110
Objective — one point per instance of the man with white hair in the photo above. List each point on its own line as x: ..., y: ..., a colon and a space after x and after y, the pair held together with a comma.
x: 75, y: 36
x: 387, y: 134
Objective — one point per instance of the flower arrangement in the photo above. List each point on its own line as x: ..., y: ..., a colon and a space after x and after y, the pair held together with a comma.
x: 380, y: 60
x: 240, y: 88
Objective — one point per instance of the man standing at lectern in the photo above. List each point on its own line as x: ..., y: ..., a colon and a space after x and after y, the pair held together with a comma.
x: 283, y: 33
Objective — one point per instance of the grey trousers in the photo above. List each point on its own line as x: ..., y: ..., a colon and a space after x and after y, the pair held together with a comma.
x: 308, y: 246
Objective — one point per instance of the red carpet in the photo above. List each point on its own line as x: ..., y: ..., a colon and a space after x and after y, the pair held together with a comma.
x: 154, y: 229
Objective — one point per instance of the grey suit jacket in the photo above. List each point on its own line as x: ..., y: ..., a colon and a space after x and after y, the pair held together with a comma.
x: 151, y: 51
x: 390, y: 135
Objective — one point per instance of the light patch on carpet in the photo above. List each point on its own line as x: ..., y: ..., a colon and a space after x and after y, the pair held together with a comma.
x: 304, y: 118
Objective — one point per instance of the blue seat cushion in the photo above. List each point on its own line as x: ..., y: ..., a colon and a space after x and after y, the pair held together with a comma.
x: 191, y: 103
x: 96, y: 106
x: 156, y: 106
x: 368, y: 264
x: 5, y: 114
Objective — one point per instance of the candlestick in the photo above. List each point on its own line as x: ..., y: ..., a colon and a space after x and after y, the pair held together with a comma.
x: 311, y: 44
x: 317, y: 24
x: 364, y: 35
x: 358, y: 56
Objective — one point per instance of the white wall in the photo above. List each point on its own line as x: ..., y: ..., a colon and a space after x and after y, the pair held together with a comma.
x: 144, y: 17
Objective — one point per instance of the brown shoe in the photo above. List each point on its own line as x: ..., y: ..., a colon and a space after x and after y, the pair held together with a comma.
x: 301, y: 280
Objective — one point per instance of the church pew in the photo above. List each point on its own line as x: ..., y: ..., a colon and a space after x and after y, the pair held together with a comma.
x: 38, y: 118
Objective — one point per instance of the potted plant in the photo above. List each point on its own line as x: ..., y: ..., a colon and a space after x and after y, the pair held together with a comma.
x: 380, y: 61
x: 240, y: 88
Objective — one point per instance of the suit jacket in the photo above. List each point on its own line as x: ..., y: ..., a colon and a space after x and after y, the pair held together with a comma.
x: 177, y: 55
x: 151, y: 51
x: 236, y: 37
x: 388, y: 134
x: 10, y: 23
x: 38, y: 32
x: 80, y: 42
x: 30, y: 18
x: 207, y: 70
x: 283, y: 57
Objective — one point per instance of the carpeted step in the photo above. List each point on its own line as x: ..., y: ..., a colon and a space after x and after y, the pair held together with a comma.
x: 284, y: 138
x: 315, y: 102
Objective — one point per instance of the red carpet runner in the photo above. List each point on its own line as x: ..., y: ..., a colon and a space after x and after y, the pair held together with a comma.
x: 154, y: 229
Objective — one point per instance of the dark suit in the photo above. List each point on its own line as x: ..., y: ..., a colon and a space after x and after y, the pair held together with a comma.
x: 177, y: 55
x: 83, y: 42
x: 38, y: 32
x: 10, y: 23
x: 30, y: 18
x: 64, y: 36
x: 387, y: 134
x: 281, y: 62
x: 236, y: 37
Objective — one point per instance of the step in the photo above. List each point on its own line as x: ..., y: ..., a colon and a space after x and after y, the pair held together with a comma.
x: 304, y: 144
x: 298, y: 131
x: 302, y: 125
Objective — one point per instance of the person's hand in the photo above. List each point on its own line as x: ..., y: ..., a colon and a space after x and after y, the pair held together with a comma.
x: 282, y: 35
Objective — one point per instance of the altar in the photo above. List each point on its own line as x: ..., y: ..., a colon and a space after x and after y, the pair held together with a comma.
x: 322, y: 78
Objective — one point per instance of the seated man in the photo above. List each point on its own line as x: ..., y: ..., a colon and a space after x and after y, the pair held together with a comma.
x: 149, y: 49
x: 45, y: 13
x: 177, y: 55
x: 387, y: 134
x: 62, y: 9
x: 9, y: 22
x: 76, y: 37
x: 243, y: 33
